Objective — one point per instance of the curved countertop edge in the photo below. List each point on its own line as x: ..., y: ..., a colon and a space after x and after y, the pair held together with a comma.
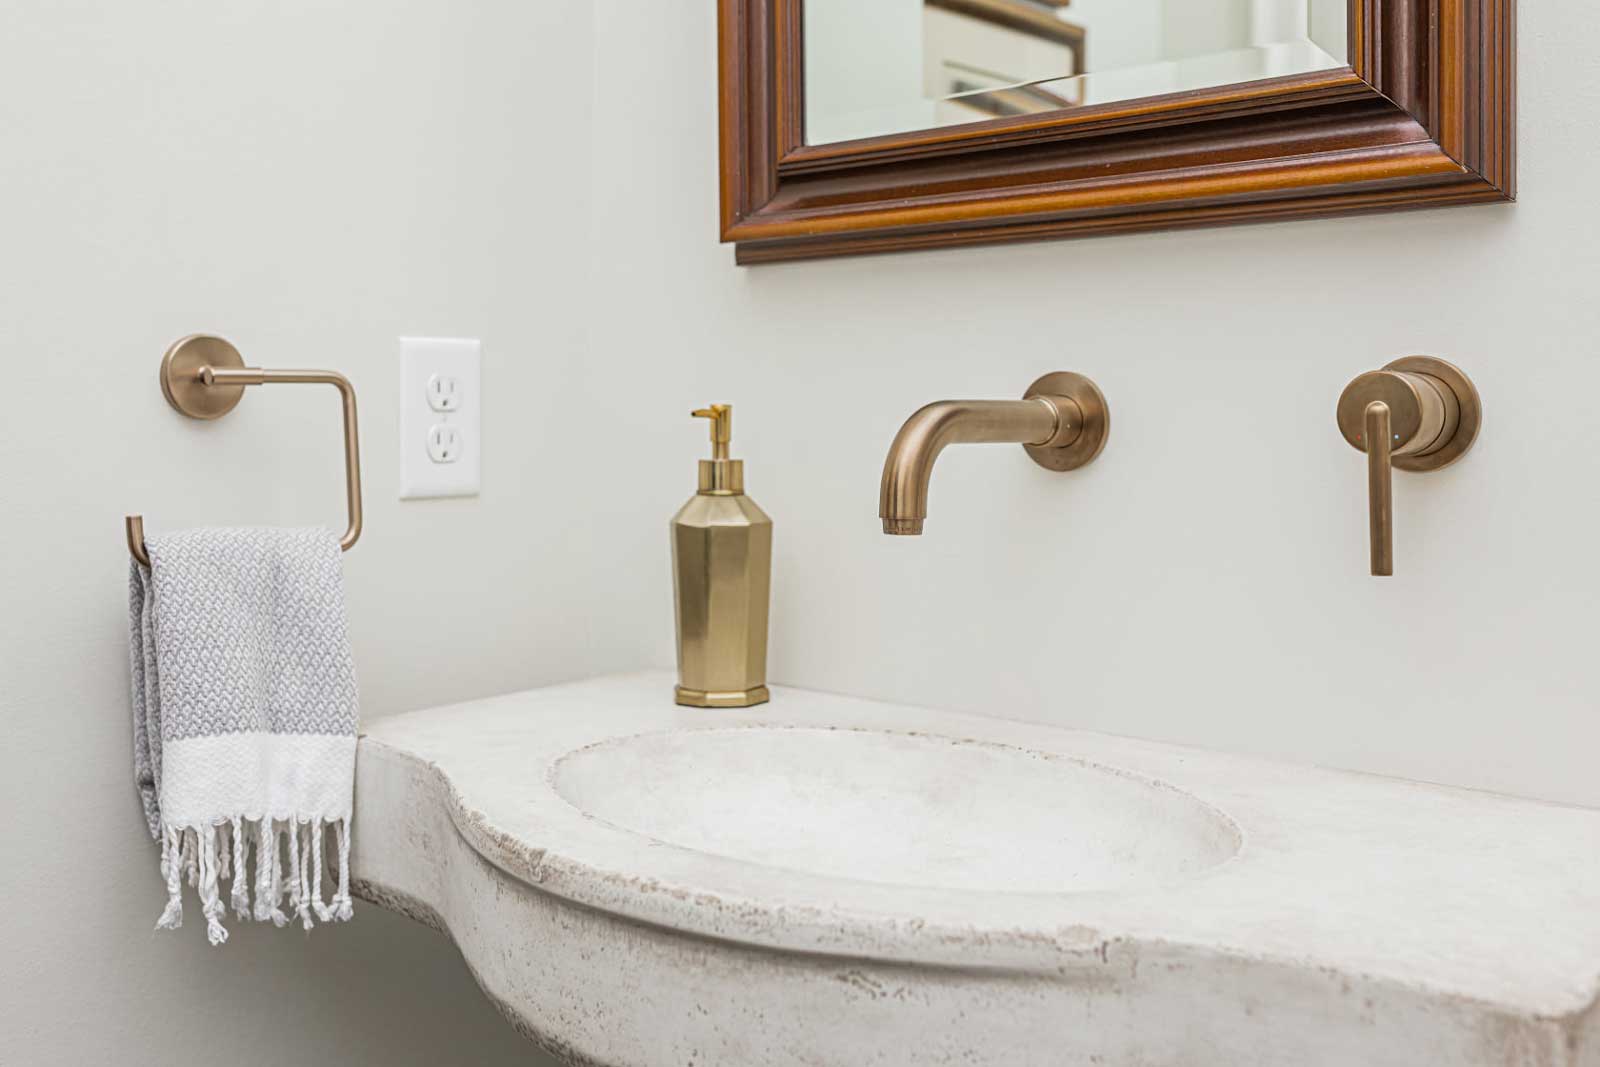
x: 1576, y: 1034
x: 842, y: 934
x: 558, y: 1006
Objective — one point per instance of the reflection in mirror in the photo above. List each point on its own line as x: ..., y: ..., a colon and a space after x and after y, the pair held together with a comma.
x: 887, y: 66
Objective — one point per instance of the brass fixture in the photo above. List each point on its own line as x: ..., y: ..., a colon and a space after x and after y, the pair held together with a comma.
x: 204, y: 377
x: 722, y: 577
x: 1062, y: 422
x: 1418, y: 414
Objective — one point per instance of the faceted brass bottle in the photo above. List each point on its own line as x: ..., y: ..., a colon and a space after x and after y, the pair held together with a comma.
x: 722, y: 577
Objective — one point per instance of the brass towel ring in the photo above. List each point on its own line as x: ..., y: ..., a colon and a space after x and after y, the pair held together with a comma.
x: 204, y: 377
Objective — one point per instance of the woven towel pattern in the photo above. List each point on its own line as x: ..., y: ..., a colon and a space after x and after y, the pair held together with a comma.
x: 283, y: 665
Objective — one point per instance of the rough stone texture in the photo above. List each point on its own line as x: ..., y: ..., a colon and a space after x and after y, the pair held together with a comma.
x: 1360, y: 920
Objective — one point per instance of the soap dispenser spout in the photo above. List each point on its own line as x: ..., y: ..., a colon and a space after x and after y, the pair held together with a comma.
x: 721, y: 416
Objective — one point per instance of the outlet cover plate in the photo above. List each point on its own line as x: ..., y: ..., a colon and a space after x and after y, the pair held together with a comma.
x: 424, y: 362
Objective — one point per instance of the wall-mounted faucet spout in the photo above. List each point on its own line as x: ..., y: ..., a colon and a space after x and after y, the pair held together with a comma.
x: 1062, y: 422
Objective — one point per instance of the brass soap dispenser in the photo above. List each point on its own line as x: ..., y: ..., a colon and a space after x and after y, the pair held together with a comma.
x: 722, y: 576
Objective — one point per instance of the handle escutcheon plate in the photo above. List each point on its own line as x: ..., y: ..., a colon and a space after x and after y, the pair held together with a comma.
x: 1085, y: 421
x: 1468, y: 404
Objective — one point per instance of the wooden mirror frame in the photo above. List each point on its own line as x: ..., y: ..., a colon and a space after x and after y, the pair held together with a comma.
x: 1423, y: 116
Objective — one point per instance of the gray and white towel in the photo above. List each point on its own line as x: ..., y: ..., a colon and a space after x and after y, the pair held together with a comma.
x: 244, y: 719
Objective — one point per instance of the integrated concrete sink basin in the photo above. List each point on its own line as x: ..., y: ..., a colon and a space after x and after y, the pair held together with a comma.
x: 899, y: 809
x: 831, y: 881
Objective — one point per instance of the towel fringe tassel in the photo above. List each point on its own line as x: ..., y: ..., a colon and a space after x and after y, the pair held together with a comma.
x: 211, y: 905
x: 295, y: 905
x: 342, y: 909
x: 320, y: 855
x: 241, y: 878
x: 171, y: 871
x: 224, y: 853
x: 209, y: 855
x: 187, y: 859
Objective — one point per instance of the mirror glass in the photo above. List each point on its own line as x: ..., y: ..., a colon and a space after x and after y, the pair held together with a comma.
x: 888, y: 66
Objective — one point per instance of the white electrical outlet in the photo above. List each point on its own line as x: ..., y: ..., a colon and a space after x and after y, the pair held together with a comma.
x: 444, y: 392
x: 444, y: 443
x: 441, y: 417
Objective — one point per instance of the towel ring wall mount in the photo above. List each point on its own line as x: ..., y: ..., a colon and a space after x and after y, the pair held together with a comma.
x: 204, y: 377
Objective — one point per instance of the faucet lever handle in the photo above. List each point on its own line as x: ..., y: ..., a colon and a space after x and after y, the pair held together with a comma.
x: 1417, y: 414
x: 1380, y: 487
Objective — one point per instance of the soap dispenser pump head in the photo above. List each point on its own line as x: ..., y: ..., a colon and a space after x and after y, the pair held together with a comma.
x: 719, y: 475
x: 721, y: 416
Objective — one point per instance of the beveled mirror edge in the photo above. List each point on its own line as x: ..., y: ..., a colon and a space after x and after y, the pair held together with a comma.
x: 1288, y: 90
x: 1393, y: 136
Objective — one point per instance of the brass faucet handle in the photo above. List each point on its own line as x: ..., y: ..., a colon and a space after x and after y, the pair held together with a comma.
x: 721, y: 416
x: 1380, y: 487
x: 1417, y: 414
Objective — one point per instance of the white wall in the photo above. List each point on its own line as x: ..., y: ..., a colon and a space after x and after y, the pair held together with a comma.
x: 1204, y: 581
x: 312, y: 181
